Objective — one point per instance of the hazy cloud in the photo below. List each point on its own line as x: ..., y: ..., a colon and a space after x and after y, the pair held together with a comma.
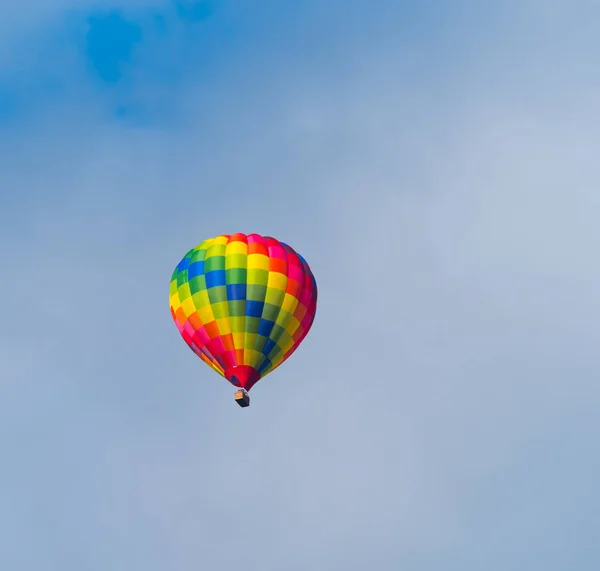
x: 437, y: 169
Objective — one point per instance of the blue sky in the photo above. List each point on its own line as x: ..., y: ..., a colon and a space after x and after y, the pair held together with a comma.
x: 436, y: 164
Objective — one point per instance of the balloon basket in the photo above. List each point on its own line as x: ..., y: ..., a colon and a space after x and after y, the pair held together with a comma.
x: 242, y: 398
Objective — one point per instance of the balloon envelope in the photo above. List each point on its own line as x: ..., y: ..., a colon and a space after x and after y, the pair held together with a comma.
x: 243, y: 304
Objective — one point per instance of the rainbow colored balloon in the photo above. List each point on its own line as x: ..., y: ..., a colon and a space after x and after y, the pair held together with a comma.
x: 243, y: 304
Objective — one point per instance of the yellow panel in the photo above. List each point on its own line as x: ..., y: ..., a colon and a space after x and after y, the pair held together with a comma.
x: 214, y: 250
x: 292, y: 325
x: 277, y: 281
x: 288, y: 346
x: 258, y: 262
x: 237, y: 247
x: 247, y: 356
x: 205, y: 314
x: 175, y: 303
x: 289, y: 303
x: 188, y: 306
x: 203, y: 245
x: 224, y: 326
x: 238, y: 340
x: 212, y: 364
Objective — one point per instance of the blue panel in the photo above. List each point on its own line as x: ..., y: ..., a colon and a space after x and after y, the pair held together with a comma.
x: 265, y: 327
x: 236, y: 292
x: 196, y: 269
x: 268, y: 347
x: 215, y: 278
x: 266, y: 363
x: 183, y: 265
x: 254, y: 308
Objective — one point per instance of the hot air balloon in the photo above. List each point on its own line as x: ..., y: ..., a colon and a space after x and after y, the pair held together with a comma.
x: 243, y: 304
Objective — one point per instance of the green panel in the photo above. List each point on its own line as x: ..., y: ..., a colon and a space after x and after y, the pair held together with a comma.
x: 270, y: 312
x: 283, y: 317
x: 197, y: 255
x: 197, y: 284
x: 182, y: 278
x: 236, y: 276
x: 237, y: 308
x: 256, y: 292
x: 274, y: 352
x: 260, y: 343
x: 214, y: 263
x: 217, y: 294
x: 252, y: 324
x: 276, y: 332
x: 274, y: 296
